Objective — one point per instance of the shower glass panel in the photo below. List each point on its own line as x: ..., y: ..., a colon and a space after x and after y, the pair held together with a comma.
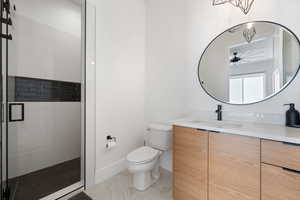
x: 42, y: 97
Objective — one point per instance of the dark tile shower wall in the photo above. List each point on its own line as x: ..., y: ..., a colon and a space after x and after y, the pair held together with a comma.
x: 23, y: 89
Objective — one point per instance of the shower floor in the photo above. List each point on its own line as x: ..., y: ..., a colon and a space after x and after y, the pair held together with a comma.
x: 81, y: 196
x: 44, y: 182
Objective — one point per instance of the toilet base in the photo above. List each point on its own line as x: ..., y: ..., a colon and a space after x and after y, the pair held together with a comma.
x: 142, y: 181
x: 145, y: 174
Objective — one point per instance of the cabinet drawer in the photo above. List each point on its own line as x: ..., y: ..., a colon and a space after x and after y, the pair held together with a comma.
x: 279, y: 184
x: 281, y: 154
x: 190, y: 162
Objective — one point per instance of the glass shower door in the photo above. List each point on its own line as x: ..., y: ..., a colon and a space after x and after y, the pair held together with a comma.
x: 42, y: 96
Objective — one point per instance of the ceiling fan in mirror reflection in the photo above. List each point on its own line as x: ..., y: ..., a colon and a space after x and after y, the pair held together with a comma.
x: 244, y: 5
x: 235, y: 58
x: 259, y: 50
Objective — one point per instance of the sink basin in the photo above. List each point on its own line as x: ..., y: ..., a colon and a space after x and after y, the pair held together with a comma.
x: 219, y: 124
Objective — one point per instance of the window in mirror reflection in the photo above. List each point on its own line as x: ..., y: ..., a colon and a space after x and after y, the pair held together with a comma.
x: 247, y: 88
x: 276, y: 80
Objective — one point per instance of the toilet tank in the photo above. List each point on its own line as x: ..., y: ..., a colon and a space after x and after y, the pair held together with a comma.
x: 160, y: 136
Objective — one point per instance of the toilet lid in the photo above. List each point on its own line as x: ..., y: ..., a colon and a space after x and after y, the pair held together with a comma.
x: 142, y: 155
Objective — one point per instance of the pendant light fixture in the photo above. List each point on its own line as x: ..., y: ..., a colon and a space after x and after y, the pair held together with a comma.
x: 249, y: 32
x: 244, y: 5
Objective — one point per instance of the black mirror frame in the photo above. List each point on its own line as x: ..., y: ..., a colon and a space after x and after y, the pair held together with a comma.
x: 268, y: 97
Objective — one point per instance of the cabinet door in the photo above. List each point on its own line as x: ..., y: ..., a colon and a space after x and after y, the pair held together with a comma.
x: 280, y: 183
x: 281, y: 154
x: 234, y: 167
x: 190, y: 164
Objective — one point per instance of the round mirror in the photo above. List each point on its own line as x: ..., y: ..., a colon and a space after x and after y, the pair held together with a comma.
x: 249, y: 63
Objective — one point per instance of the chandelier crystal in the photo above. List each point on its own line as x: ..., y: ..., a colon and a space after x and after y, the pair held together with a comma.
x: 244, y: 5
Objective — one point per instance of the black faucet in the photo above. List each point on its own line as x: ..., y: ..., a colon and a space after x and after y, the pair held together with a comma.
x: 219, y: 111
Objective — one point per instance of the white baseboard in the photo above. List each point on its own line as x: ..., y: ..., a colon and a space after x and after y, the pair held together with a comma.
x: 110, y: 170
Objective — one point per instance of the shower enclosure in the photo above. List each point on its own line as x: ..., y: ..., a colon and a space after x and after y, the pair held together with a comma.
x: 42, y: 95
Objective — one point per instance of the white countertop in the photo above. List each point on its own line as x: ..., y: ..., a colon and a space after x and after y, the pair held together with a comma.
x: 258, y: 130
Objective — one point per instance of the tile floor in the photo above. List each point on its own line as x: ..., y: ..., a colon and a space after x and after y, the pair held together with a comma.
x: 120, y: 187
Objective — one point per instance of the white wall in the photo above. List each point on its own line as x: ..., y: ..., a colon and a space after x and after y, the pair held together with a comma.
x: 196, y: 23
x: 178, y: 32
x: 164, y: 83
x: 63, y: 15
x: 47, y: 45
x: 120, y: 71
x: 49, y: 135
x: 166, y: 59
x: 90, y: 136
x: 41, y: 51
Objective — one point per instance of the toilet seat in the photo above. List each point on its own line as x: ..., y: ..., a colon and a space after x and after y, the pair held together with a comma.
x: 143, y: 155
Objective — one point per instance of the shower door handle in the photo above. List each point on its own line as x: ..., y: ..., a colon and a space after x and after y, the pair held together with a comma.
x: 2, y: 109
x: 16, y: 112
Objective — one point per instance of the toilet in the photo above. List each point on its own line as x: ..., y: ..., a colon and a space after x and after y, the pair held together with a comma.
x: 144, y: 162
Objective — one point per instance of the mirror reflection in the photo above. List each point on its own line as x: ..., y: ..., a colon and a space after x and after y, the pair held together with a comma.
x: 249, y: 63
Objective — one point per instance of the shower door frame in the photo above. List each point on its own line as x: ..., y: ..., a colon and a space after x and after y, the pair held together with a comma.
x: 76, y: 187
x: 5, y: 21
x: 1, y: 107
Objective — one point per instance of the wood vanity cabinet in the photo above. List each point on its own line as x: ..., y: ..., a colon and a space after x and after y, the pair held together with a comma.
x: 280, y: 171
x: 218, y: 166
x: 190, y: 164
x: 234, y: 167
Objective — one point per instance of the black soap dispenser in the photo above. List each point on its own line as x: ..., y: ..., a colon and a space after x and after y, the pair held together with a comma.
x: 292, y: 116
